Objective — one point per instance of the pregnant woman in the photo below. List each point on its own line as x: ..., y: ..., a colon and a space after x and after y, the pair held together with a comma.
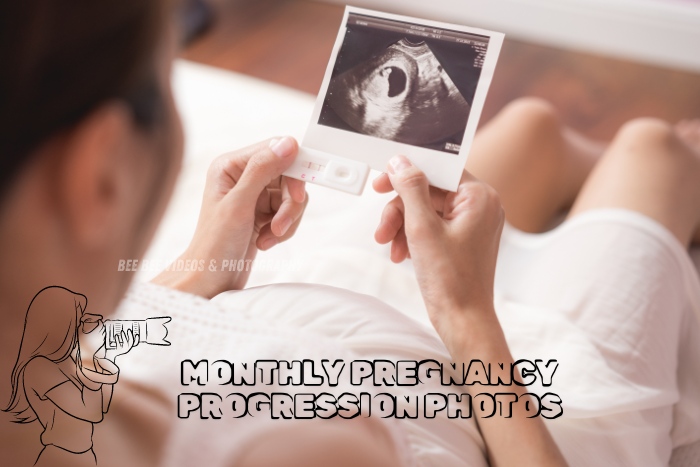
x: 90, y: 148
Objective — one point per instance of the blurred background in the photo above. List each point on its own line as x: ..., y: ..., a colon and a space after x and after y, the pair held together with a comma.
x: 600, y: 62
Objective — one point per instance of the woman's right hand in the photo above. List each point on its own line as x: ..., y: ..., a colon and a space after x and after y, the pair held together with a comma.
x: 452, y: 238
x: 125, y: 341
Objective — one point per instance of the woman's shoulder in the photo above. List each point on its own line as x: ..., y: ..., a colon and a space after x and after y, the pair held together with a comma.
x: 42, y: 374
x: 40, y: 365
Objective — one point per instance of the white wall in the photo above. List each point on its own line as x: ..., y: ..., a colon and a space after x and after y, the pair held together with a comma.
x: 665, y: 33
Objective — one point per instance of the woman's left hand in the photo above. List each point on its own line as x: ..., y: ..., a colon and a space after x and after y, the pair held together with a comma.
x: 248, y: 206
x: 90, y: 339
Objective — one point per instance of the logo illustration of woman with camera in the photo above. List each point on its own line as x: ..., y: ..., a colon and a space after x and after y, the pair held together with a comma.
x: 64, y: 374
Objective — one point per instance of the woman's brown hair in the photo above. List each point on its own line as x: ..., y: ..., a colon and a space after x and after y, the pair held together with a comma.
x: 60, y: 59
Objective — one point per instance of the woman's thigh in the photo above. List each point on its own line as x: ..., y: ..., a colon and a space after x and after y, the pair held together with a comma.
x: 536, y: 163
x: 647, y: 169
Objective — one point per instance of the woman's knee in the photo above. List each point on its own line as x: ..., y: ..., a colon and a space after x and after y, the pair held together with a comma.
x: 531, y: 112
x: 532, y: 130
x: 642, y: 136
x: 653, y: 143
x: 650, y: 170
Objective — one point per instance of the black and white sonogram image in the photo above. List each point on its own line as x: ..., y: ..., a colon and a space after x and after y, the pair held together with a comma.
x: 403, y: 82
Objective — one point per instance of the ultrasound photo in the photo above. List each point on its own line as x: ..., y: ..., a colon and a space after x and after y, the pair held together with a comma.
x: 403, y: 85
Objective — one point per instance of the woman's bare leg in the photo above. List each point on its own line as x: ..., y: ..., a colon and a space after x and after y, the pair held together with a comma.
x: 689, y: 132
x: 536, y: 164
x: 653, y: 168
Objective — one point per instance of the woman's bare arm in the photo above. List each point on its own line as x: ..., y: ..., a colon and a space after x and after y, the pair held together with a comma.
x: 517, y: 440
x: 453, y: 240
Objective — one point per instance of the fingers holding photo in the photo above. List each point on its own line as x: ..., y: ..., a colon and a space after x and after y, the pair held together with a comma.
x: 248, y: 204
x: 261, y: 168
x: 452, y: 237
x: 284, y: 222
x: 392, y: 223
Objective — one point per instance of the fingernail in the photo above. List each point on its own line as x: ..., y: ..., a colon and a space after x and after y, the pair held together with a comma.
x: 284, y: 226
x: 269, y: 243
x: 398, y: 164
x: 282, y: 147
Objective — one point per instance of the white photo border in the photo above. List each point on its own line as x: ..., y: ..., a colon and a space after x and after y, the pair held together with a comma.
x: 443, y: 170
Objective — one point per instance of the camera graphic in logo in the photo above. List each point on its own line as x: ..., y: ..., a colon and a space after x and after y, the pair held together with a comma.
x: 150, y: 331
